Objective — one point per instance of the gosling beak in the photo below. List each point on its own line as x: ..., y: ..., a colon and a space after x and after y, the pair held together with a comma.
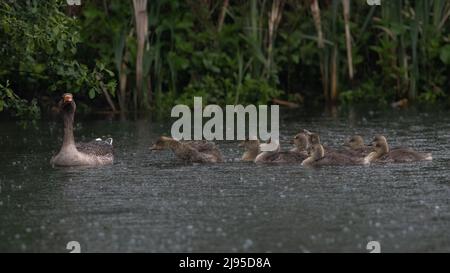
x: 292, y: 141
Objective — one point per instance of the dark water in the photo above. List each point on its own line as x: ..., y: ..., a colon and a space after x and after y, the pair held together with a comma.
x: 147, y: 202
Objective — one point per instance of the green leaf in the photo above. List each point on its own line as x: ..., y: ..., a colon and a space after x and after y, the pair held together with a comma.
x: 445, y: 54
x: 60, y: 46
x: 92, y: 93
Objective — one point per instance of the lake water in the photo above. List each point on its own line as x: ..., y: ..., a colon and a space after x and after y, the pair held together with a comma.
x: 149, y: 202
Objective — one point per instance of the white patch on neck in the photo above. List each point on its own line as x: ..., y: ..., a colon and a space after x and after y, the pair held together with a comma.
x: 369, y: 158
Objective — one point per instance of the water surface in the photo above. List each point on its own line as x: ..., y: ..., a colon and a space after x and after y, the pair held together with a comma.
x: 149, y: 202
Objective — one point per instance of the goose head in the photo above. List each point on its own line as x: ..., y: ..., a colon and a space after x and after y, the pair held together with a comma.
x: 314, y: 139
x: 67, y: 104
x: 380, y: 148
x: 301, y: 141
x: 380, y: 145
x: 317, y: 151
x: 355, y: 142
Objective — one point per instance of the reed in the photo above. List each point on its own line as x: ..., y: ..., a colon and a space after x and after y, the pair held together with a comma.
x: 141, y: 17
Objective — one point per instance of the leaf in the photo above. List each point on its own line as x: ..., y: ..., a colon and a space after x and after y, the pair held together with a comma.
x: 60, y: 46
x: 110, y: 73
x: 445, y: 54
x: 92, y: 93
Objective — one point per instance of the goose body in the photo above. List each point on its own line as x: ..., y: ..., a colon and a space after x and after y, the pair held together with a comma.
x: 94, y: 153
x: 190, y: 151
x: 298, y: 153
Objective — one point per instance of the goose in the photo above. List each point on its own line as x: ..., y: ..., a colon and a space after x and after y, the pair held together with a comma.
x: 355, y: 146
x: 382, y: 154
x: 190, y: 151
x: 94, y: 153
x: 253, y: 151
x: 319, y: 157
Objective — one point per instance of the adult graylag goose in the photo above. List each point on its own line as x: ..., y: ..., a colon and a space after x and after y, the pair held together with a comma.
x: 94, y: 153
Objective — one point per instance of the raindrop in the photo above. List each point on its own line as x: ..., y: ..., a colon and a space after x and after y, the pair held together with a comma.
x: 247, y: 244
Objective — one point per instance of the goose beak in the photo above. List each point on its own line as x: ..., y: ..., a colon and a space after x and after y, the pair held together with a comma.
x: 67, y: 98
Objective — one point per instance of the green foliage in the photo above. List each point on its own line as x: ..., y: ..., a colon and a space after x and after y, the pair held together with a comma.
x: 445, y: 54
x: 366, y: 93
x: 39, y: 53
x: 19, y: 108
x: 399, y: 50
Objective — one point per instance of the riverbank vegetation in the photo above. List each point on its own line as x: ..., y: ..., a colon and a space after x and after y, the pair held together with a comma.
x: 139, y: 55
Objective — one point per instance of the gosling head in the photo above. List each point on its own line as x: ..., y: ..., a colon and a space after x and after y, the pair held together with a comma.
x: 380, y: 144
x: 314, y: 139
x: 355, y: 142
x: 161, y: 144
x: 380, y: 148
x: 301, y: 141
x: 317, y: 151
